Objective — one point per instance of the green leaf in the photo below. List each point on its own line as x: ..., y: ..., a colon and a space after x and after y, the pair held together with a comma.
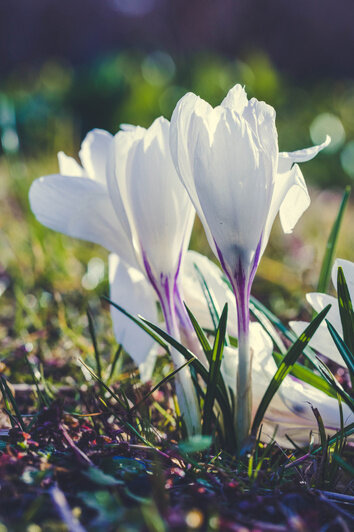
x: 101, y: 479
x: 342, y: 348
x: 307, y: 375
x: 203, y: 340
x: 325, y: 273
x: 195, y: 444
x: 286, y: 366
x: 327, y: 374
x: 346, y: 310
x: 343, y: 464
x: 321, y: 428
x: 214, y: 372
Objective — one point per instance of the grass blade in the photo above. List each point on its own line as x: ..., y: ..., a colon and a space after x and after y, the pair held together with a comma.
x: 214, y: 372
x: 163, y: 381
x: 94, y: 342
x: 343, y: 349
x: 116, y: 357
x: 100, y: 381
x: 9, y: 394
x: 286, y: 366
x: 139, y: 321
x: 325, y: 273
x: 345, y: 433
x: 204, y: 342
x: 346, y: 310
x: 210, y: 302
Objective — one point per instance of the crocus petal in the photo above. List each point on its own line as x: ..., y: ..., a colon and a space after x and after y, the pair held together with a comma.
x: 261, y: 118
x: 121, y: 152
x: 94, y: 154
x: 236, y: 99
x: 130, y: 289
x: 348, y: 270
x: 233, y: 181
x: 219, y: 291
x: 298, y: 398
x: 81, y: 208
x: 295, y: 202
x: 162, y: 214
x: 68, y: 166
x: 182, y: 143
x: 321, y: 341
x: 319, y: 301
x: 290, y: 199
x: 287, y: 159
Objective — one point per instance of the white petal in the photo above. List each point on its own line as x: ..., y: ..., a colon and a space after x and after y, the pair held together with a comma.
x: 287, y: 159
x: 291, y: 198
x: 162, y: 211
x: 236, y: 99
x: 348, y: 270
x: 81, y: 208
x: 219, y: 290
x: 130, y: 290
x: 295, y: 202
x: 94, y: 154
x: 68, y: 166
x: 261, y: 118
x: 321, y: 341
x: 121, y: 152
x: 298, y: 399
x: 320, y: 301
x: 233, y: 178
x: 183, y: 138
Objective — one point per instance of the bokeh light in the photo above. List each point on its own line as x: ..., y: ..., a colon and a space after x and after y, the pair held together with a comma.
x: 347, y: 158
x: 328, y: 124
x: 158, y: 68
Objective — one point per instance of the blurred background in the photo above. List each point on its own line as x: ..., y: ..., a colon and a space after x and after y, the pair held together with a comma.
x: 67, y: 66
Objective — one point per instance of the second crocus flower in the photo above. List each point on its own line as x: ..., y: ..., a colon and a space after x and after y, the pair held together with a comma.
x: 229, y: 162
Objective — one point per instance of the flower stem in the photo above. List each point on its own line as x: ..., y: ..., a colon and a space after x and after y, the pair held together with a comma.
x: 244, y: 374
x: 187, y: 397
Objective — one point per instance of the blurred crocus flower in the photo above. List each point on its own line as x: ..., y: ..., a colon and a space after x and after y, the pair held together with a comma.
x: 322, y: 340
x: 289, y: 412
x: 127, y: 197
x: 229, y: 162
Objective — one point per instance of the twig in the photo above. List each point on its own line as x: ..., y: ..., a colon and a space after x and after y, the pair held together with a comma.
x: 64, y: 510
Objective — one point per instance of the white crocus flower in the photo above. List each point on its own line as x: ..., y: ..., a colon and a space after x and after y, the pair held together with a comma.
x: 322, y: 340
x: 127, y: 197
x: 229, y: 162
